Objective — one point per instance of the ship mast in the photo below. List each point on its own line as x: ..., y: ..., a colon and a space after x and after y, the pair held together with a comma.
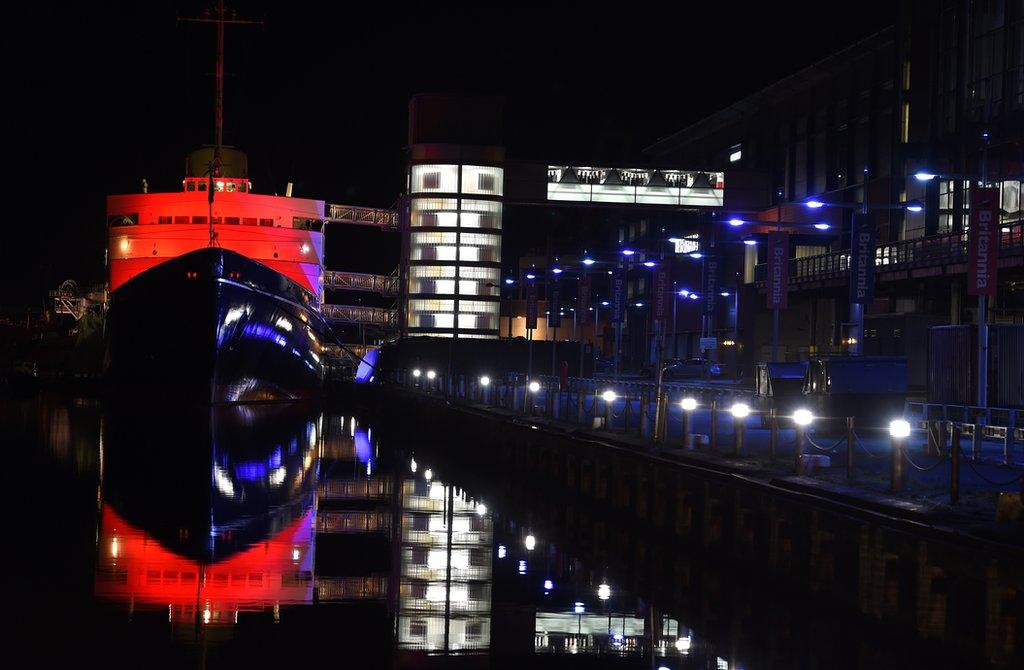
x: 219, y: 17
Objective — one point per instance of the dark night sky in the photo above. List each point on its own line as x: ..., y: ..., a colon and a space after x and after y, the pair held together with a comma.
x: 103, y: 95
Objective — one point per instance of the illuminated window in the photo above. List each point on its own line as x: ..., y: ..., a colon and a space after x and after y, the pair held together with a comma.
x: 905, y: 123
x: 439, y: 178
x: 482, y: 180
x: 736, y: 153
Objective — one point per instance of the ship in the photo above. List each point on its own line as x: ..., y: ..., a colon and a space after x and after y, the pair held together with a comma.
x: 215, y: 290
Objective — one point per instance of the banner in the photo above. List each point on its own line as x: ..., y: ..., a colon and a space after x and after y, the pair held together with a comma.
x: 983, y: 241
x: 583, y: 301
x: 618, y: 295
x: 661, y: 293
x: 531, y: 305
x: 862, y: 259
x: 778, y: 271
x: 554, y: 304
x: 710, y: 290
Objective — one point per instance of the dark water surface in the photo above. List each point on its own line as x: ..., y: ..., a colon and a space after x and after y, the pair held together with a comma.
x: 265, y: 535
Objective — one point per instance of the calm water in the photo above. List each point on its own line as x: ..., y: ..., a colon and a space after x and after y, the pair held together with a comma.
x: 263, y: 535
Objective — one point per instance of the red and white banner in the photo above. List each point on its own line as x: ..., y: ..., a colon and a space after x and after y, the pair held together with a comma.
x: 983, y: 241
x: 778, y: 271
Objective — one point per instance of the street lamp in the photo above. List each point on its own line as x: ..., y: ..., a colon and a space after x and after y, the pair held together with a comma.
x: 740, y: 411
x: 801, y: 418
x: 609, y: 397
x: 899, y: 431
x: 689, y: 404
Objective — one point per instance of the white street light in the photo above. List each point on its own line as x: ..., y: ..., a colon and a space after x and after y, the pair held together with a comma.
x: 431, y: 374
x: 740, y: 410
x: 534, y: 387
x: 688, y: 404
x: 609, y: 396
x: 530, y: 542
x: 481, y: 509
x: 899, y: 428
x: 428, y: 474
x: 485, y: 381
x: 416, y: 372
x: 803, y: 417
x: 604, y: 592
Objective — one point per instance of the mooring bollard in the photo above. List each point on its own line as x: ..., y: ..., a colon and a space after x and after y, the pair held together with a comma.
x: 713, y: 432
x: 773, y: 433
x: 849, y: 448
x: 954, y: 466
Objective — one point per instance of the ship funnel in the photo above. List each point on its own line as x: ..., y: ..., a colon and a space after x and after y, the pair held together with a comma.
x: 288, y: 190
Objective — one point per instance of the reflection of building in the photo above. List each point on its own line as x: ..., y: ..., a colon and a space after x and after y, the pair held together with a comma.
x: 444, y: 599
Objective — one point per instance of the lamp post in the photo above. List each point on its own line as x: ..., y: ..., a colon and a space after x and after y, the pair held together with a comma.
x: 856, y: 335
x: 689, y: 404
x: 899, y: 431
x: 801, y: 418
x: 740, y: 411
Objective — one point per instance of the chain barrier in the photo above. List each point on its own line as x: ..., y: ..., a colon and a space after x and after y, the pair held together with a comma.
x: 965, y: 459
x: 856, y: 438
x: 828, y: 450
x: 919, y: 468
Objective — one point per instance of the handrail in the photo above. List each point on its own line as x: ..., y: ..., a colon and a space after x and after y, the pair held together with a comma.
x: 920, y: 252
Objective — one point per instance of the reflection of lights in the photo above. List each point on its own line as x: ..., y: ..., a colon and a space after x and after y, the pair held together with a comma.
x: 284, y: 324
x: 721, y: 664
x: 277, y: 476
x: 604, y: 592
x: 534, y: 387
x: 688, y: 404
x: 683, y: 644
x: 530, y: 542
x: 548, y: 584
x: 295, y: 554
x: 304, y: 248
x: 114, y: 548
x: 234, y: 314
x: 578, y: 608
x: 522, y: 567
x: 617, y: 638
x: 412, y: 465
x: 125, y: 244
x: 206, y: 615
x: 502, y: 551
x: 428, y: 474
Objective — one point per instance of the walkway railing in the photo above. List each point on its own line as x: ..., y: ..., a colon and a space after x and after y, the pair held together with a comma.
x: 719, y: 421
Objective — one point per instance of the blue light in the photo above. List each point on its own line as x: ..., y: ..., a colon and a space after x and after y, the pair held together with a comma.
x: 684, y: 293
x: 821, y: 226
x: 696, y: 255
x: 694, y: 296
x: 531, y: 276
x: 510, y: 281
x: 724, y: 294
x: 650, y: 264
x: 750, y: 242
x: 502, y: 551
x: 736, y: 222
x: 628, y: 252
x: 364, y: 373
x: 556, y: 271
x: 815, y: 204
x: 364, y: 452
x: 604, y: 303
x: 588, y: 261
x: 548, y: 584
x: 522, y: 567
x: 638, y: 304
x: 915, y: 206
x: 578, y: 608
x: 925, y: 176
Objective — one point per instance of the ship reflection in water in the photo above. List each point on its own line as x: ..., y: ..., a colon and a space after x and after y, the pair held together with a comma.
x: 222, y: 528
x: 209, y: 515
